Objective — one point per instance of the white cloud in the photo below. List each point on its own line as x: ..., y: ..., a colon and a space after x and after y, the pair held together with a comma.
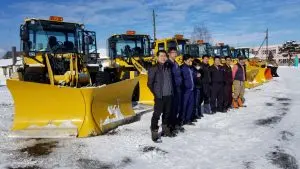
x: 220, y: 6
x: 90, y: 12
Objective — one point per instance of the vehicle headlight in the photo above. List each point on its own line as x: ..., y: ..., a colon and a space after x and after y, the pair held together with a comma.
x: 32, y: 54
x: 93, y: 55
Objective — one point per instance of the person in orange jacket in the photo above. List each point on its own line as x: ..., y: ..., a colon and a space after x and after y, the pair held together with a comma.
x: 239, y: 78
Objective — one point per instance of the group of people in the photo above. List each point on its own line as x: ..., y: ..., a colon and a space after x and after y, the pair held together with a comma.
x: 179, y: 91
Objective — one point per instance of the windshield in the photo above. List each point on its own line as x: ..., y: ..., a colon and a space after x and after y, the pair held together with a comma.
x: 217, y: 51
x: 172, y: 44
x: 181, y: 44
x: 209, y: 49
x: 129, y: 46
x: 45, y: 40
x: 225, y: 51
x: 47, y: 36
x: 242, y: 52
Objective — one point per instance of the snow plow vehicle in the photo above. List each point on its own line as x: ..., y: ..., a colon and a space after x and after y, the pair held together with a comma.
x: 59, y: 91
x: 131, y: 57
x: 178, y: 42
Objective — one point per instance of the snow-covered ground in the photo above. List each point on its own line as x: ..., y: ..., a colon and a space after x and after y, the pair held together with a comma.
x: 264, y: 135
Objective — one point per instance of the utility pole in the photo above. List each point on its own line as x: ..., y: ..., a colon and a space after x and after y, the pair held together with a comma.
x: 154, y: 25
x: 267, y: 43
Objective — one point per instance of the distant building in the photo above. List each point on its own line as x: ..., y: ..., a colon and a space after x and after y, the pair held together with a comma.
x: 9, y: 66
x: 280, y: 58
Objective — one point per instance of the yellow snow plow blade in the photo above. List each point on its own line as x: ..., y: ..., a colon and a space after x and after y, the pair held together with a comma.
x: 260, y: 78
x: 146, y: 97
x: 48, y: 111
x: 252, y: 73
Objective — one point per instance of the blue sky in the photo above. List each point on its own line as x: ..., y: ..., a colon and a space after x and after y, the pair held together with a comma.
x: 235, y: 22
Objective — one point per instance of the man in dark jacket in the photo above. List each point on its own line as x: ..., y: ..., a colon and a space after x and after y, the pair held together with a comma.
x: 205, y: 90
x: 177, y: 85
x: 188, y: 89
x: 228, y: 83
x: 217, y: 86
x: 198, y: 87
x: 160, y: 84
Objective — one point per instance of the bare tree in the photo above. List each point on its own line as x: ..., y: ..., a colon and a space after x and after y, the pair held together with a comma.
x: 201, y: 32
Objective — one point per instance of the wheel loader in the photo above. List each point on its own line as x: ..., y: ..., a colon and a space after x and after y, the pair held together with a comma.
x: 60, y: 91
x: 131, y: 57
x: 178, y: 42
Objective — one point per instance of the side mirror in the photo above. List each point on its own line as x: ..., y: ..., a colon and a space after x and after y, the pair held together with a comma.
x: 152, y: 45
x: 24, y: 33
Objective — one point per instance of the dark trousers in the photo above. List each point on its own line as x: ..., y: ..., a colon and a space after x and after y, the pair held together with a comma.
x: 227, y: 95
x: 188, y: 105
x: 176, y: 107
x: 197, y: 102
x: 162, y: 106
x: 205, y: 93
x: 205, y: 97
x: 216, y: 100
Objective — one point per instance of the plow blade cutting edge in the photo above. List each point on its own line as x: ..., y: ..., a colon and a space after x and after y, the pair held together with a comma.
x: 46, y: 111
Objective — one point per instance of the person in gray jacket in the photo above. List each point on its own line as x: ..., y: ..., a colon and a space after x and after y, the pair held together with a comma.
x: 160, y: 84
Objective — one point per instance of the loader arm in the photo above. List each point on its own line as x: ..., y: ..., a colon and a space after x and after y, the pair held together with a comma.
x: 138, y: 66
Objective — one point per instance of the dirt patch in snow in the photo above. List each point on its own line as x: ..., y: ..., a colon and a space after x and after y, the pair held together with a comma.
x: 286, y: 135
x: 27, y: 167
x: 285, y: 104
x: 248, y: 164
x: 269, y: 104
x: 152, y: 148
x: 282, y: 159
x: 125, y: 161
x: 268, y: 121
x: 39, y: 149
x: 280, y: 99
x: 94, y: 164
x: 6, y: 105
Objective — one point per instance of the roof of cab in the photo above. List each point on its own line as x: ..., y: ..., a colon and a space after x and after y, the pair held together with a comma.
x: 29, y: 19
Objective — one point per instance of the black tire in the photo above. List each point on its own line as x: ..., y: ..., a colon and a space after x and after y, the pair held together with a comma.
x: 34, y: 75
x: 102, y: 78
x: 136, y: 93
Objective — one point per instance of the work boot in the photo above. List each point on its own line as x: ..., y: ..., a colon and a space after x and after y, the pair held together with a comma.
x: 224, y: 111
x: 154, y: 135
x: 166, y: 132
x: 235, y: 104
x: 240, y: 102
x: 179, y: 128
x: 207, y: 109
x: 190, y: 124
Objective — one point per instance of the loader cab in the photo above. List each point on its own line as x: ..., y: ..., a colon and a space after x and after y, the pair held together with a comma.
x: 55, y: 44
x: 129, y: 45
x: 178, y: 41
x: 221, y: 50
x: 40, y: 36
x: 244, y: 52
x: 199, y: 49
